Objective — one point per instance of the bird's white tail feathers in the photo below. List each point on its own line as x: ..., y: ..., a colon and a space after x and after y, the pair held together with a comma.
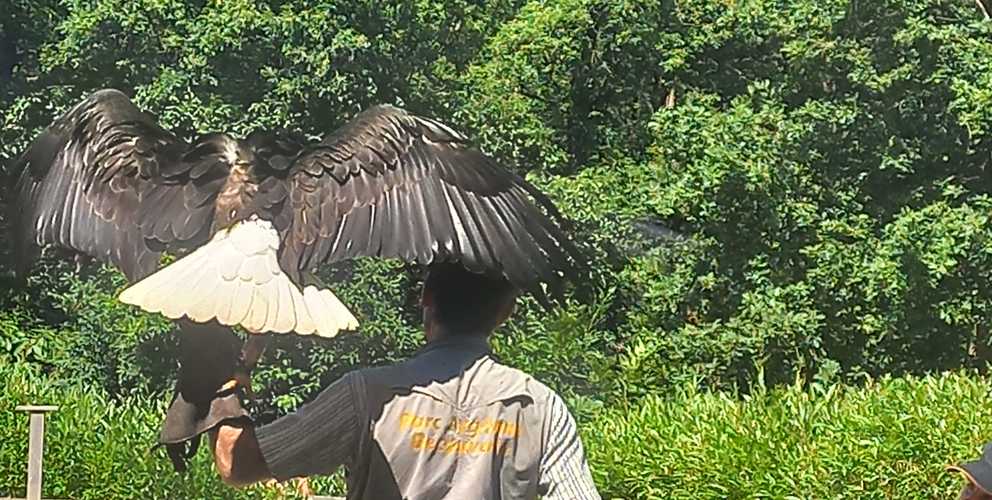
x: 235, y: 278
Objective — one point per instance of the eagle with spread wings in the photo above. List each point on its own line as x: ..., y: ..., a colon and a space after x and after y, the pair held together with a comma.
x: 252, y: 218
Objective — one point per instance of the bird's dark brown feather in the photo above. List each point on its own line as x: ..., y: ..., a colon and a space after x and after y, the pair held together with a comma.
x: 391, y: 184
x: 105, y: 180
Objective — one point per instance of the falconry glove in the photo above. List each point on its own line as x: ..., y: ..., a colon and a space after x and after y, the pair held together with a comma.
x: 210, y: 388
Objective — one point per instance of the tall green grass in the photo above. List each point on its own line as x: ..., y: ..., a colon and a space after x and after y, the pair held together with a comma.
x: 888, y: 439
x: 97, y: 447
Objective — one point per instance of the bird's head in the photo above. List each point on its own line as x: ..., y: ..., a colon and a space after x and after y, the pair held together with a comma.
x: 272, y: 152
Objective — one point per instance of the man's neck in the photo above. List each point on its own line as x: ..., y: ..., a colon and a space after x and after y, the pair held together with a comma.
x: 437, y: 337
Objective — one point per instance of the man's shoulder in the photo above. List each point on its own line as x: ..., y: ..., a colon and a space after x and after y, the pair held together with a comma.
x: 497, y: 379
x: 525, y: 382
x: 373, y: 374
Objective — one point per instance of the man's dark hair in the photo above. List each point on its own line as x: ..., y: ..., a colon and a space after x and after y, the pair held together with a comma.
x: 465, y: 302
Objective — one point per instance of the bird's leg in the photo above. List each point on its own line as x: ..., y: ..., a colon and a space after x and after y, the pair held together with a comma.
x: 251, y: 352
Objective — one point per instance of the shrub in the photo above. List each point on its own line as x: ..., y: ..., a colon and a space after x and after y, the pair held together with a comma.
x: 889, y: 439
x: 98, y: 447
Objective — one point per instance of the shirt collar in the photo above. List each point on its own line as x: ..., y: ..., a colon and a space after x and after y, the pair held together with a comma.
x: 467, y: 342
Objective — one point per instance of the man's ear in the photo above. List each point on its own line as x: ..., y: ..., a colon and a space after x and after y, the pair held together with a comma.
x: 426, y: 298
x: 507, y: 310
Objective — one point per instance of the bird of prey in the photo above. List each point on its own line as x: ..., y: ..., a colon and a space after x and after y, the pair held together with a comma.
x: 252, y: 218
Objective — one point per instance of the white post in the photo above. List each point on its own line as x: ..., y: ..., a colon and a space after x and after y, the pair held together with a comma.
x: 36, y: 447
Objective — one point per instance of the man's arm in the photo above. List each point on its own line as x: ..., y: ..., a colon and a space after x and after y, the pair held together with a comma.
x: 316, y: 439
x: 564, y: 470
x: 237, y: 456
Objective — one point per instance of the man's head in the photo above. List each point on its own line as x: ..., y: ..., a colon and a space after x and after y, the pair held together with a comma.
x: 459, y: 302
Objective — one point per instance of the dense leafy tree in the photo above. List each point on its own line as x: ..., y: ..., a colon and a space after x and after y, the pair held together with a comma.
x: 783, y: 188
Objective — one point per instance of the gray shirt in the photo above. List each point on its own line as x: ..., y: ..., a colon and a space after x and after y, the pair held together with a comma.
x: 450, y: 422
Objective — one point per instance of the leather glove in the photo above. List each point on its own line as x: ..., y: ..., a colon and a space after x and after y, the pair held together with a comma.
x: 210, y: 388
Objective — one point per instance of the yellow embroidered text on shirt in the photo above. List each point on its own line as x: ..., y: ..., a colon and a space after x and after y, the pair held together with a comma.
x: 470, y: 427
x: 447, y: 445
x: 457, y: 436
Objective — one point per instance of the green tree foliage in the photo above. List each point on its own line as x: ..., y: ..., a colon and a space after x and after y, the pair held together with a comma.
x: 777, y: 188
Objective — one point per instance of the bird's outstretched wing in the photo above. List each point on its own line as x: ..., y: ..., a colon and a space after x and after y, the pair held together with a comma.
x: 105, y: 180
x: 392, y: 184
